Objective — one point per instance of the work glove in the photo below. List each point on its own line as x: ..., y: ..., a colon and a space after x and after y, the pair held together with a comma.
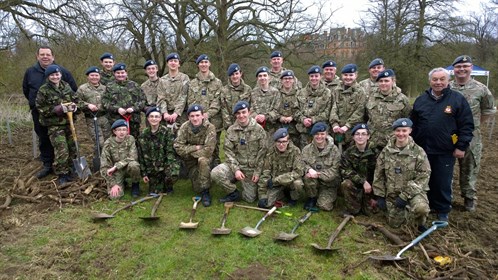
x: 262, y: 203
x: 72, y: 108
x: 400, y: 203
x: 381, y: 203
x: 60, y: 110
x: 270, y: 183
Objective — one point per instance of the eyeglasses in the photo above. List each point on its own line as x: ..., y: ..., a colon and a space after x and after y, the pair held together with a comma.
x: 361, y: 134
x: 282, y: 142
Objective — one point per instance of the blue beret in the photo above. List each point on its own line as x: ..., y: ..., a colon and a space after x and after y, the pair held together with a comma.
x: 287, y: 73
x: 240, y: 105
x: 52, y: 69
x: 92, y: 69
x: 462, y: 59
x: 318, y: 127
x: 106, y: 55
x: 194, y: 108
x: 359, y: 126
x: 375, y: 62
x: 403, y: 122
x: 151, y: 110
x: 119, y: 66
x: 349, y: 68
x: 172, y: 56
x: 315, y: 69
x: 201, y: 58
x: 119, y: 123
x: 280, y: 133
x: 262, y: 69
x: 276, y: 54
x: 385, y: 74
x: 234, y: 67
x: 149, y: 63
x: 329, y: 63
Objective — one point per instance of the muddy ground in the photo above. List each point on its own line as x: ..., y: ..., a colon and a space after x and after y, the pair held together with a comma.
x: 470, y: 239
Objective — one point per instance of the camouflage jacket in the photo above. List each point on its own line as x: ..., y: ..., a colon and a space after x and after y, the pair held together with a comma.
x: 349, y: 106
x: 88, y: 94
x: 155, y: 152
x: 369, y: 86
x: 150, y: 91
x: 326, y: 161
x: 331, y: 85
x: 229, y: 96
x: 206, y: 92
x: 245, y: 147
x: 286, y: 105
x: 382, y: 110
x: 48, y: 97
x: 117, y: 154
x: 125, y: 94
x: 172, y: 94
x: 189, y: 137
x: 106, y: 77
x: 263, y: 102
x: 359, y: 166
x: 401, y: 172
x: 314, y: 104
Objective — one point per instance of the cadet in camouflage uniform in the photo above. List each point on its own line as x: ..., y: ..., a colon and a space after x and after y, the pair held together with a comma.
x: 482, y: 104
x: 321, y: 164
x: 286, y: 108
x: 282, y: 172
x: 276, y: 62
x: 314, y: 105
x: 107, y: 62
x: 357, y: 171
x: 158, y: 164
x: 150, y: 86
x: 235, y: 90
x: 49, y: 102
x: 349, y: 106
x: 245, y: 147
x: 124, y: 98
x: 401, y: 179
x: 375, y: 67
x: 119, y: 160
x: 330, y: 78
x: 195, y: 144
x: 263, y: 100
x: 90, y: 102
x: 384, y: 106
x: 172, y: 94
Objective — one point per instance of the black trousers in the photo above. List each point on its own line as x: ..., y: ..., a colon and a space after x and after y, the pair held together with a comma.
x: 45, y: 146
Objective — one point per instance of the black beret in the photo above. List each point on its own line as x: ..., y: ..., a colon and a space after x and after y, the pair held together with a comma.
x: 385, y: 74
x: 329, y: 63
x: 234, y: 67
x: 276, y: 54
x: 403, y: 122
x: 52, y: 69
x: 119, y: 123
x: 151, y: 110
x: 201, y: 58
x: 280, y: 133
x: 240, y: 105
x: 106, y: 55
x: 318, y: 127
x: 375, y: 62
x: 287, y: 73
x: 315, y: 69
x: 172, y: 56
x: 359, y: 126
x: 92, y: 69
x: 194, y: 108
x: 462, y: 59
x: 119, y: 66
x: 262, y: 69
x: 149, y: 63
x: 349, y: 68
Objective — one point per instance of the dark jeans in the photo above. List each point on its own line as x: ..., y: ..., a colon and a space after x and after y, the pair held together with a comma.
x: 45, y: 146
x: 440, y: 182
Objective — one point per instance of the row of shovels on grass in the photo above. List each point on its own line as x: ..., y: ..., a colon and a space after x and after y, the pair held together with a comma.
x: 255, y: 231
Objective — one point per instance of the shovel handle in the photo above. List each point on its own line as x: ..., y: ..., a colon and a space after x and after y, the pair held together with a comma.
x: 71, y: 125
x: 131, y: 204
x: 273, y: 209
x: 435, y: 225
x: 338, y: 230
x: 156, y: 205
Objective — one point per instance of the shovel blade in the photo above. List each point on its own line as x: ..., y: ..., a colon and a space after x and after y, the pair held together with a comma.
x: 387, y: 258
x: 96, y: 164
x: 81, y: 167
x: 221, y: 231
x: 283, y: 236
x: 150, y: 218
x: 102, y: 216
x: 188, y: 225
x: 323, y: 249
x: 250, y: 232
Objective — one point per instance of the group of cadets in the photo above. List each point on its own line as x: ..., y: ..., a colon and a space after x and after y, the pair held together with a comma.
x: 283, y: 141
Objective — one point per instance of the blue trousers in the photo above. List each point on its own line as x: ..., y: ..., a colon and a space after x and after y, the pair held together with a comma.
x: 440, y: 182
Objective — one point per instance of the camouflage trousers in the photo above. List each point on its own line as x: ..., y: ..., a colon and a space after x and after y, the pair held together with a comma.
x: 64, y: 148
x: 469, y: 167
x: 132, y: 171
x: 415, y: 213
x: 159, y: 182
x: 103, y: 128
x: 199, y: 172
x: 223, y: 176
x: 355, y: 197
x: 326, y: 192
x: 278, y: 192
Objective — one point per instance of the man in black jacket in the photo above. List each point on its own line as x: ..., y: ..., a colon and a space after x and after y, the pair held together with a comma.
x: 34, y: 77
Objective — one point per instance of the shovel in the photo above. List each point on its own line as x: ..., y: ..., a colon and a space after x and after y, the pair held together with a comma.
x: 153, y: 216
x: 253, y: 232
x: 398, y: 257
x: 290, y: 236
x: 190, y: 224
x: 96, y: 158
x: 288, y: 214
x: 333, y: 237
x: 104, y: 216
x: 80, y: 164
x: 223, y: 230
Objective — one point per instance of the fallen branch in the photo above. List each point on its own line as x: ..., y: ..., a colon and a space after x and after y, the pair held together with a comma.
x: 8, y: 200
x: 28, y: 198
x: 391, y: 236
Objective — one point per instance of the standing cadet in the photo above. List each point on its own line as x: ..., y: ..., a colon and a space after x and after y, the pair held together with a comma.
x: 124, y: 99
x: 282, y: 172
x: 150, y: 87
x: 90, y: 102
x: 401, y: 178
x: 55, y: 98
x: 276, y: 62
x: 195, y: 145
x: 314, y: 105
x: 330, y: 78
x: 107, y: 62
x: 357, y: 171
x: 120, y: 160
x: 158, y: 165
x: 349, y: 106
x: 385, y: 105
x: 321, y: 167
x: 172, y: 94
x: 482, y: 104
x: 442, y: 126
x: 369, y: 85
x: 234, y: 91
x: 287, y: 106
x: 263, y: 99
x: 245, y: 147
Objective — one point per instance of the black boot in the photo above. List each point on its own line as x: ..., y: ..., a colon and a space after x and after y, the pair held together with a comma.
x: 310, y: 204
x: 206, y: 198
x: 135, y: 190
x: 231, y: 197
x: 46, y: 170
x: 63, y: 179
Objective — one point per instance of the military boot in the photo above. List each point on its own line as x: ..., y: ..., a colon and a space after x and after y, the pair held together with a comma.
x: 310, y: 204
x: 231, y: 197
x: 470, y: 204
x: 46, y: 170
x: 206, y: 198
x: 63, y: 179
x: 135, y: 190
